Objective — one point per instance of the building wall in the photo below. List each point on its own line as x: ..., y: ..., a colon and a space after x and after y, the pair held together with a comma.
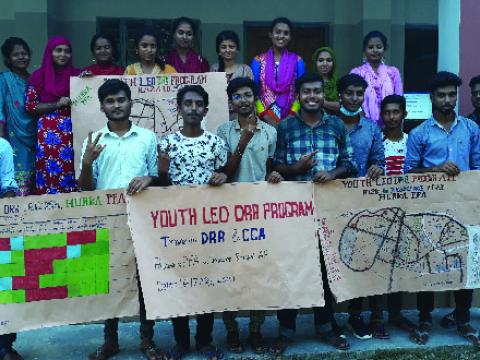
x: 347, y: 20
x: 469, y: 51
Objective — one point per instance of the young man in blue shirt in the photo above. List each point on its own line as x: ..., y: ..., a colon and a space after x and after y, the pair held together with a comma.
x: 8, y: 188
x: 369, y: 156
x: 475, y: 99
x: 447, y: 143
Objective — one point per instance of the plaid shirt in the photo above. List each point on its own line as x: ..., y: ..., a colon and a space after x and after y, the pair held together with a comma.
x: 329, y: 136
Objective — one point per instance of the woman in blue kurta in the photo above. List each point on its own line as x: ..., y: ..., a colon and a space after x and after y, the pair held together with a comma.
x: 15, y: 123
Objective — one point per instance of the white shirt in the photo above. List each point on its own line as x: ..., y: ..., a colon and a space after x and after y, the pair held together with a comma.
x: 134, y: 154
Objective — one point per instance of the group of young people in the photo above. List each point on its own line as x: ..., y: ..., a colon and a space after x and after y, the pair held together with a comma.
x: 285, y: 124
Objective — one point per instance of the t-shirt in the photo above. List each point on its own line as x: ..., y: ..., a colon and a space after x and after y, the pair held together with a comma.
x: 193, y: 159
x: 395, y: 152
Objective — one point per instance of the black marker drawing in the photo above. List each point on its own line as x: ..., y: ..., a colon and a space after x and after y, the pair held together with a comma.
x: 424, y: 242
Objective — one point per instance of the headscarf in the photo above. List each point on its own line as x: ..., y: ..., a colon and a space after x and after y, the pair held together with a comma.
x: 49, y: 83
x: 329, y: 86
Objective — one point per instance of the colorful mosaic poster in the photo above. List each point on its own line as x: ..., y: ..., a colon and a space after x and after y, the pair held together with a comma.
x: 65, y: 259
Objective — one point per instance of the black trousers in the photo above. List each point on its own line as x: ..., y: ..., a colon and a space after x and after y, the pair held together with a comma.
x: 323, y: 316
x: 146, y: 326
x: 203, y: 336
x: 355, y: 307
x: 463, y: 303
x: 6, y: 341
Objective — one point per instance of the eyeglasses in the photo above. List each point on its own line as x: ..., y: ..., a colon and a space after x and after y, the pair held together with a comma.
x: 246, y: 96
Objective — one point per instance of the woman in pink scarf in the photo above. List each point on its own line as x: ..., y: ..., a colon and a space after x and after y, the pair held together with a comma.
x: 48, y: 99
x: 382, y: 79
x: 182, y: 57
x: 275, y: 72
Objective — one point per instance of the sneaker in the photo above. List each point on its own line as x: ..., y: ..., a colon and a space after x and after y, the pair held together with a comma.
x: 358, y: 328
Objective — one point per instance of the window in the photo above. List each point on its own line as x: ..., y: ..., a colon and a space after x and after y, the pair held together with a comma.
x: 125, y: 32
x: 421, y: 53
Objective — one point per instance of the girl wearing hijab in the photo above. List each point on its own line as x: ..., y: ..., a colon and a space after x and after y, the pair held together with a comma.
x: 48, y: 99
x: 325, y: 63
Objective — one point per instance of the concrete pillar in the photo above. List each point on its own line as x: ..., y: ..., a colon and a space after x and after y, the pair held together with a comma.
x: 449, y: 36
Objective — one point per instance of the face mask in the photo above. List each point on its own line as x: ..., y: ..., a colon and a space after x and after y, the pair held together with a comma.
x: 350, y: 113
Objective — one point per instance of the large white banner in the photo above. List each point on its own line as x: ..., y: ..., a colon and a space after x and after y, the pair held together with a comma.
x: 203, y: 249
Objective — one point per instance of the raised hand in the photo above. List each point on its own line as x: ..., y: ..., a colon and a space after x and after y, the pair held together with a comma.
x: 163, y: 160
x: 92, y: 150
x: 305, y: 163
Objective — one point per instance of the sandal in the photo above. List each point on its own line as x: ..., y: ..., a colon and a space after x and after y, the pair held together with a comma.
x: 403, y: 324
x: 379, y: 331
x: 280, y: 344
x: 469, y: 333
x: 105, y: 351
x: 150, y: 351
x: 176, y: 353
x: 421, y: 334
x: 257, y: 343
x: 211, y: 352
x: 338, y: 341
x: 448, y: 321
x: 233, y: 342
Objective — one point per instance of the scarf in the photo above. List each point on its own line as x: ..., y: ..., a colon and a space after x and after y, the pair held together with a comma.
x: 110, y: 69
x: 285, y: 78
x: 329, y: 86
x: 194, y: 64
x: 379, y: 86
x: 50, y: 84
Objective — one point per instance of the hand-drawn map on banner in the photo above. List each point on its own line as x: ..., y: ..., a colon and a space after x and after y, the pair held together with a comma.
x: 154, y: 103
x: 204, y: 249
x: 416, y: 232
x: 65, y: 259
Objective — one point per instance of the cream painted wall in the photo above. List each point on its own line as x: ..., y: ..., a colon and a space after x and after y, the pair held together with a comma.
x: 348, y: 20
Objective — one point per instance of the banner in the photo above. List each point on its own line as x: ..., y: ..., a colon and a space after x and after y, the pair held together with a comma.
x: 203, y: 249
x: 65, y: 259
x: 154, y: 103
x: 416, y: 232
